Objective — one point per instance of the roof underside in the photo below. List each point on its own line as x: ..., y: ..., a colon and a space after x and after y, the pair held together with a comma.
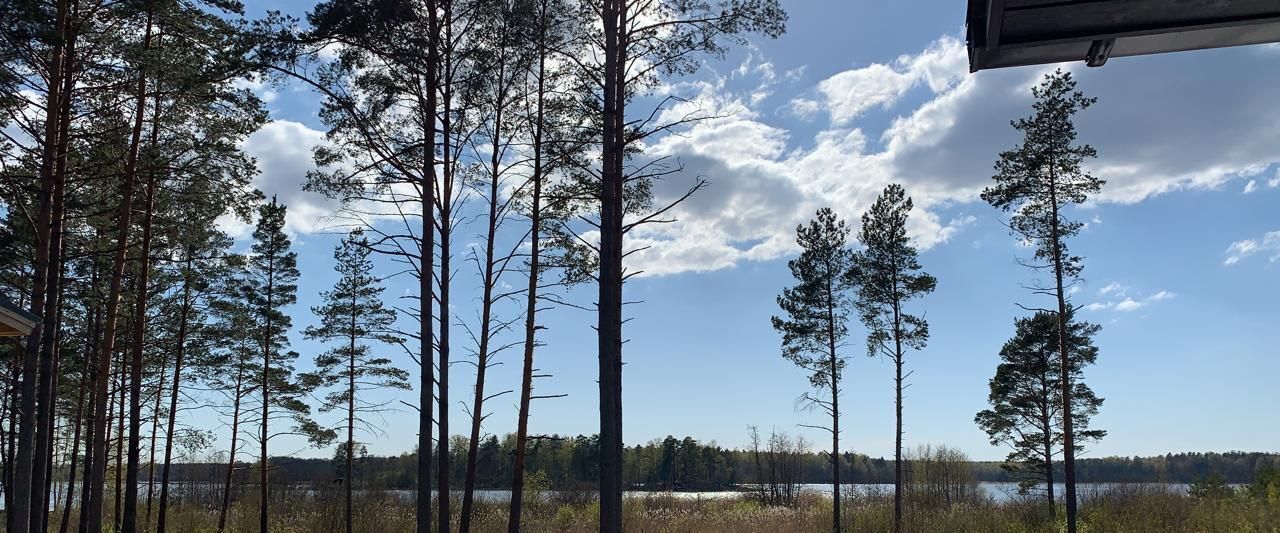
x: 14, y: 321
x: 1007, y: 33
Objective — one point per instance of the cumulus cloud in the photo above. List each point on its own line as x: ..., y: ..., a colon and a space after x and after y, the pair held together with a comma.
x: 282, y: 150
x: 760, y: 189
x: 1196, y: 132
x: 1209, y: 124
x: 851, y: 93
x: 1251, y: 186
x: 1268, y: 244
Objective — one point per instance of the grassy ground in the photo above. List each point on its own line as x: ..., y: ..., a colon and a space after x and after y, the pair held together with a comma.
x: 1135, y: 510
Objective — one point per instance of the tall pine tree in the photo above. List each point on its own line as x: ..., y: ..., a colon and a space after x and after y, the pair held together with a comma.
x: 641, y: 40
x: 270, y: 286
x: 889, y: 275
x: 817, y: 321
x: 1037, y: 180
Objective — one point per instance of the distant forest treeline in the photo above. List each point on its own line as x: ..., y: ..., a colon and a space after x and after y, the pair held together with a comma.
x: 686, y: 464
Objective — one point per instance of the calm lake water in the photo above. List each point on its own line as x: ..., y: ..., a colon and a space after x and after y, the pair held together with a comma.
x: 999, y: 492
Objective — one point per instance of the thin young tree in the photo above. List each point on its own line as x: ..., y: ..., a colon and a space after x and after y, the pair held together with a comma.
x: 550, y: 116
x: 889, y: 275
x: 501, y: 52
x: 352, y: 316
x: 228, y: 368
x: 1037, y: 180
x: 637, y: 41
x: 204, y: 266
x: 816, y: 323
x: 1026, y: 399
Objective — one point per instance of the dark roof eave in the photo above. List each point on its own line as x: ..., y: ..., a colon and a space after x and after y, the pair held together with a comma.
x: 999, y: 38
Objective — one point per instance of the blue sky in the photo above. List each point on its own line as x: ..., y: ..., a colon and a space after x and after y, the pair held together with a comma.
x: 1182, y: 250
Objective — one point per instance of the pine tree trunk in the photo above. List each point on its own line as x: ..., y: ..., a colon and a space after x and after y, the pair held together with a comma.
x: 264, y: 504
x: 351, y: 416
x: 122, y: 390
x: 426, y: 292
x: 1068, y: 436
x: 611, y: 237
x: 531, y: 297
x: 1048, y: 462
x: 897, y: 447
x: 29, y: 467
x: 130, y: 522
x: 835, y: 451
x: 52, y: 334
x: 183, y: 317
x: 40, y: 521
x: 446, y: 230
x: 155, y: 427
x: 442, y: 441
x: 98, y: 478
x: 834, y: 375
x: 486, y: 308
x: 91, y: 370
x: 75, y: 452
x: 50, y: 331
x: 231, y: 458
x: 897, y: 363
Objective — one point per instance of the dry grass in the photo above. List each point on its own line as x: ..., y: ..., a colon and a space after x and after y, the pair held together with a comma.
x: 1134, y: 509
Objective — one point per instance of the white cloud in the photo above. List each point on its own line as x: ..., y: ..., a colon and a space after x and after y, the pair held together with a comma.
x: 1129, y: 304
x: 1113, y: 287
x: 765, y: 179
x: 851, y: 93
x: 1275, y: 181
x: 257, y: 86
x: 1269, y: 244
x: 761, y: 70
x: 1251, y: 186
x: 1198, y: 132
x: 802, y: 108
x: 282, y: 150
x: 1125, y: 303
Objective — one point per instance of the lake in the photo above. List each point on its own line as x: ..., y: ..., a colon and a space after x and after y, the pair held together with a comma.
x: 998, y: 491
